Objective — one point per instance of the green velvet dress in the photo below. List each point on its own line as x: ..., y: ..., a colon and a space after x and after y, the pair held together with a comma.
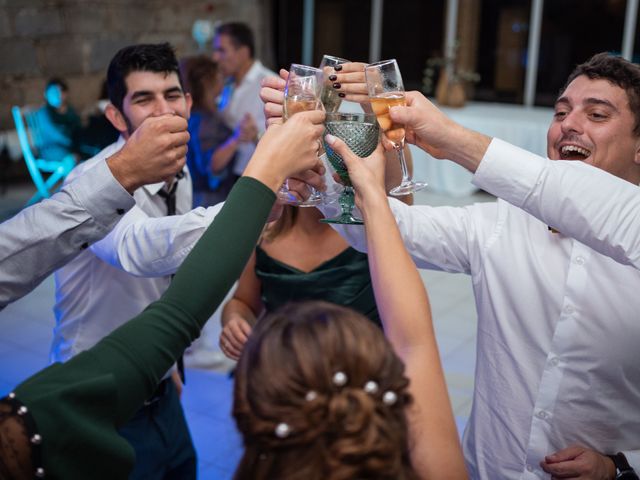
x: 78, y: 406
x: 344, y: 280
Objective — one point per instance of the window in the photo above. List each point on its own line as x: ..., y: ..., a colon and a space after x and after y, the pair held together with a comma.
x: 571, y: 34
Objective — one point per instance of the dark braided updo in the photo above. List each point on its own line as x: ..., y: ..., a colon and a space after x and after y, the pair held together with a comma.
x: 286, y: 375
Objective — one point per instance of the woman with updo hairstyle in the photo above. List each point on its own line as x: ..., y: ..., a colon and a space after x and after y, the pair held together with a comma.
x: 320, y: 393
x: 312, y: 367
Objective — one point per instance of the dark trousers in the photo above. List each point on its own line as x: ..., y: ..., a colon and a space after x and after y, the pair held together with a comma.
x: 160, y: 437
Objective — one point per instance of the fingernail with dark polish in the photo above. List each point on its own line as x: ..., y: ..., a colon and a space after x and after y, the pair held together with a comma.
x: 337, y: 68
x: 336, y: 85
x: 342, y: 95
x: 333, y: 78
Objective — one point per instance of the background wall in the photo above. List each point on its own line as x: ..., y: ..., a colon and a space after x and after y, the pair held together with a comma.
x: 75, y: 39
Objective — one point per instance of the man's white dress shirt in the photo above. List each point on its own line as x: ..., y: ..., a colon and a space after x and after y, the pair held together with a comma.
x: 558, y: 333
x: 245, y: 98
x: 582, y: 201
x: 116, y: 278
x: 45, y: 236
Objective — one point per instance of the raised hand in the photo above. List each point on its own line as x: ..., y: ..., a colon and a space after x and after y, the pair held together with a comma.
x: 287, y: 150
x: 366, y: 174
x: 348, y: 80
x: 435, y: 133
x: 272, y: 95
x: 154, y: 152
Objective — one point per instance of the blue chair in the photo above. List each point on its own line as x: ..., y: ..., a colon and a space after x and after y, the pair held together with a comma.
x: 56, y: 170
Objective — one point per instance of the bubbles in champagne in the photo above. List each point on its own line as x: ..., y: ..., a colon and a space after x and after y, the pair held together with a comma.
x: 381, y: 105
x: 293, y: 105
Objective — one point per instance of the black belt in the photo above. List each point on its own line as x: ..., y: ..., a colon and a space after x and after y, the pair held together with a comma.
x: 160, y: 391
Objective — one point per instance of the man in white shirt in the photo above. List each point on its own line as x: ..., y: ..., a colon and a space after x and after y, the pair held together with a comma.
x: 114, y: 279
x: 557, y: 384
x: 234, y: 50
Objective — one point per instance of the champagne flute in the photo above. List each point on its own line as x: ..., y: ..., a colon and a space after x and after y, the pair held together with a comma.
x: 330, y: 98
x: 301, y: 93
x: 386, y: 90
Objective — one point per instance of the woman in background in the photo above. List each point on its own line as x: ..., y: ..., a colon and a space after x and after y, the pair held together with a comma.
x: 213, y: 145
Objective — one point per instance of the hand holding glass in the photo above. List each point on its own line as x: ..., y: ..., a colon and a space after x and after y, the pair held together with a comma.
x: 301, y: 93
x: 330, y: 98
x: 361, y: 134
x: 386, y: 90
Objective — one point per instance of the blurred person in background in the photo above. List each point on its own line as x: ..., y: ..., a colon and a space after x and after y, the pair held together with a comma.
x: 234, y: 51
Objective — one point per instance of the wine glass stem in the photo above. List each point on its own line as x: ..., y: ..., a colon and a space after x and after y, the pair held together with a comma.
x: 347, y: 201
x: 406, y: 177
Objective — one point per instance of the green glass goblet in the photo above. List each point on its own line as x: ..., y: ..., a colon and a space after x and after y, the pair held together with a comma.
x: 361, y: 133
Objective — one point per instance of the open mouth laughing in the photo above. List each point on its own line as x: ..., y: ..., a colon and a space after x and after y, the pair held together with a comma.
x: 574, y: 152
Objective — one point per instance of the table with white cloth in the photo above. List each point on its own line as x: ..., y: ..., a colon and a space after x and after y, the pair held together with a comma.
x: 525, y: 127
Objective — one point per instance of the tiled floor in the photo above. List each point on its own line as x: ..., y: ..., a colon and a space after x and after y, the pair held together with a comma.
x: 26, y: 335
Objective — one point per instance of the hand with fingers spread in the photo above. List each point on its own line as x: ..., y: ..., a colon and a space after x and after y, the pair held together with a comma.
x: 577, y: 461
x: 154, y: 152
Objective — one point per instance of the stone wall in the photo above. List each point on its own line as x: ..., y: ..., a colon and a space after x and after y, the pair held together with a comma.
x: 75, y: 39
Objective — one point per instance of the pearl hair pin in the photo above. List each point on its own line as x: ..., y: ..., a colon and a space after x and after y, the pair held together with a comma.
x: 282, y: 430
x: 340, y: 379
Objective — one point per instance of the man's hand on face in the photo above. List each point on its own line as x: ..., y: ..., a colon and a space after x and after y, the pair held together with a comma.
x: 155, y: 151
x: 580, y: 462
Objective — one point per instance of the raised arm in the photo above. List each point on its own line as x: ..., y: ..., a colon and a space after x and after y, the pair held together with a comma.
x: 44, y: 237
x: 406, y: 316
x: 581, y: 201
x: 127, y: 364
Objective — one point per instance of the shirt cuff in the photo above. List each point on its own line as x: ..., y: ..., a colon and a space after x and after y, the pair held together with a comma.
x: 508, y: 172
x: 101, y: 195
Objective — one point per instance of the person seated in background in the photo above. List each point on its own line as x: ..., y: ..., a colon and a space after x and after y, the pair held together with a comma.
x: 321, y: 394
x: 213, y: 145
x: 57, y: 125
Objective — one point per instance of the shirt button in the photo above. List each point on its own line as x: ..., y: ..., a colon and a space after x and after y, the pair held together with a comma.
x: 579, y: 261
x: 529, y: 468
x: 542, y: 414
x: 120, y: 211
x: 568, y: 309
x: 555, y: 361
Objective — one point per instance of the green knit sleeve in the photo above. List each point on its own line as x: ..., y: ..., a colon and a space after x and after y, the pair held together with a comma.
x: 140, y: 352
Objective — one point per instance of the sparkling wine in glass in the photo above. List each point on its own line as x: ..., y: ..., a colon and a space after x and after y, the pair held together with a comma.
x: 330, y: 98
x: 386, y: 90
x: 361, y: 133
x: 301, y: 93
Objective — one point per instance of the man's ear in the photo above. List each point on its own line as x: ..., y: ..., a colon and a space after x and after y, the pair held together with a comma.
x: 116, y: 118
